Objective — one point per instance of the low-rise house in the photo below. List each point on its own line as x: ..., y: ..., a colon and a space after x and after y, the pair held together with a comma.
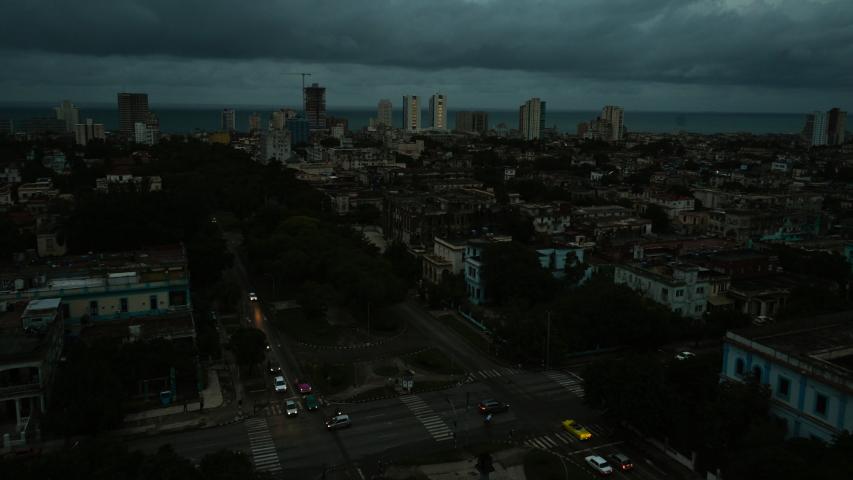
x: 474, y: 266
x: 448, y: 256
x: 31, y: 338
x: 41, y: 188
x: 677, y: 286
x: 808, y: 366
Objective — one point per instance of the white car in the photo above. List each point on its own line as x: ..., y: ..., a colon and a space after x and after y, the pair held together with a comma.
x: 599, y: 464
x: 253, y: 297
x: 685, y: 355
x: 290, y: 408
x: 280, y: 384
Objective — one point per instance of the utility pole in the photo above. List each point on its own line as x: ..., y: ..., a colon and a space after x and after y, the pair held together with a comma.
x: 548, y: 340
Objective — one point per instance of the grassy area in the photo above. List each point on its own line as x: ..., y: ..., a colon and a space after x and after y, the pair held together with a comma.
x: 386, y: 370
x: 329, y: 378
x: 544, y: 466
x: 384, y: 322
x: 309, y: 330
x: 476, y: 339
x: 434, y: 361
x: 383, y: 391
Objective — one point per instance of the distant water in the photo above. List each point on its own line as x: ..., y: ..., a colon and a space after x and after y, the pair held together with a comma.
x: 189, y: 119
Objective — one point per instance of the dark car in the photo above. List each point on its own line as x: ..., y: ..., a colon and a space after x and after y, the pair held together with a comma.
x: 622, y: 462
x: 492, y: 406
x: 338, y: 421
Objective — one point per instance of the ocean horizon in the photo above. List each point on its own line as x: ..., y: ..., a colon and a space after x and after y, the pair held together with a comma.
x: 193, y: 118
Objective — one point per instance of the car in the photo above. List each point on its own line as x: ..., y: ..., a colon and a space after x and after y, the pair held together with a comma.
x: 492, y: 406
x: 338, y: 421
x: 685, y: 355
x: 576, y: 429
x: 599, y: 464
x: 267, y: 347
x: 274, y: 368
x: 280, y: 384
x: 311, y: 403
x: 253, y: 297
x: 291, y: 408
x: 303, y: 387
x: 622, y: 462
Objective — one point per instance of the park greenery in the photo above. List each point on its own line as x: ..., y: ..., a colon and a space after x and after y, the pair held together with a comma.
x: 727, y: 423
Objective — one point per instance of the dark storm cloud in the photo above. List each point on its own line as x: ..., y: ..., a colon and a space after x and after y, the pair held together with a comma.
x: 781, y: 43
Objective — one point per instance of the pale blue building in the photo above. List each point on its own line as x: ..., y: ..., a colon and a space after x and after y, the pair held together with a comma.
x: 808, y: 367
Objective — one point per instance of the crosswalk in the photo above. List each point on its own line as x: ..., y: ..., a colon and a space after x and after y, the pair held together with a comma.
x: 493, y: 373
x: 273, y: 409
x: 430, y: 420
x: 263, y: 449
x: 568, y: 380
x: 557, y: 440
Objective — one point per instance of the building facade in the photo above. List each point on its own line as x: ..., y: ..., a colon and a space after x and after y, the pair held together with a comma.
x: 472, y: 122
x: 614, y: 116
x: 438, y: 111
x: 807, y: 367
x: 228, y: 120
x: 69, y: 114
x: 678, y: 287
x: 411, y: 113
x: 384, y: 113
x: 275, y: 146
x: 86, y: 132
x: 531, y: 119
x: 315, y: 106
x: 132, y: 109
x: 836, y: 125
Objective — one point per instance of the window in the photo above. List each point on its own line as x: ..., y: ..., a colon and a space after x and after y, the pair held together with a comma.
x: 820, y: 404
x: 177, y: 297
x: 698, y: 308
x: 739, y: 366
x: 679, y: 293
x: 756, y: 373
x: 123, y: 303
x: 152, y: 302
x: 783, y: 387
x: 93, y: 308
x: 700, y: 289
x: 664, y: 292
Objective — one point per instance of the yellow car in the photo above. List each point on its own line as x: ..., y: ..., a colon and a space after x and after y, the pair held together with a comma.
x: 576, y: 429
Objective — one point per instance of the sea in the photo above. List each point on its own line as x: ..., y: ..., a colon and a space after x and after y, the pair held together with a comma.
x: 189, y: 119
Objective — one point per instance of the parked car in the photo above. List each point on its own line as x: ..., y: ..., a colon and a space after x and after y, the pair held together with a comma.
x: 492, y: 406
x: 622, y: 461
x: 338, y: 421
x: 253, y: 297
x: 311, y: 403
x: 599, y: 464
x: 280, y: 384
x: 685, y: 355
x: 303, y: 387
x: 576, y: 429
x: 290, y: 408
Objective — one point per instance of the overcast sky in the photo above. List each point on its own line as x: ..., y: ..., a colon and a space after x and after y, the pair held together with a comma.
x: 685, y: 55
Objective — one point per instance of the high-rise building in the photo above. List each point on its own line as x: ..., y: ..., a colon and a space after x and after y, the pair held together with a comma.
x: 315, y: 106
x: 68, y: 113
x: 438, y: 111
x: 254, y: 122
x: 384, y: 113
x: 298, y: 128
x: 815, y: 130
x: 411, y: 113
x: 472, y: 122
x: 531, y: 119
x: 132, y: 109
x: 836, y: 124
x: 85, y: 132
x: 275, y: 146
x: 228, y: 121
x: 148, y: 131
x: 614, y: 116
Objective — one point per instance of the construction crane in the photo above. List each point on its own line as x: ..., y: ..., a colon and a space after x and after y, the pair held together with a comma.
x: 303, y: 86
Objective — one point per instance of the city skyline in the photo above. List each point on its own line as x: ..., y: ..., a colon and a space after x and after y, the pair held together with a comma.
x: 801, y: 65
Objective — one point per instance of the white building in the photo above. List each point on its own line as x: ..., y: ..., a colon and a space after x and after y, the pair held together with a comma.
x: 411, y: 113
x: 384, y: 113
x: 614, y: 115
x: 438, y: 111
x: 819, y: 128
x: 531, y: 119
x: 84, y: 132
x: 678, y: 287
x: 69, y: 114
x: 229, y: 120
x: 146, y: 133
x: 275, y: 146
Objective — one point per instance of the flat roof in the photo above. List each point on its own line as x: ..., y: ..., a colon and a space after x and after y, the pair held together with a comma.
x: 43, y: 304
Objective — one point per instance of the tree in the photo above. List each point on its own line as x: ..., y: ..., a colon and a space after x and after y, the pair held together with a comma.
x: 248, y: 346
x: 659, y: 218
x: 227, y: 465
x: 512, y: 271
